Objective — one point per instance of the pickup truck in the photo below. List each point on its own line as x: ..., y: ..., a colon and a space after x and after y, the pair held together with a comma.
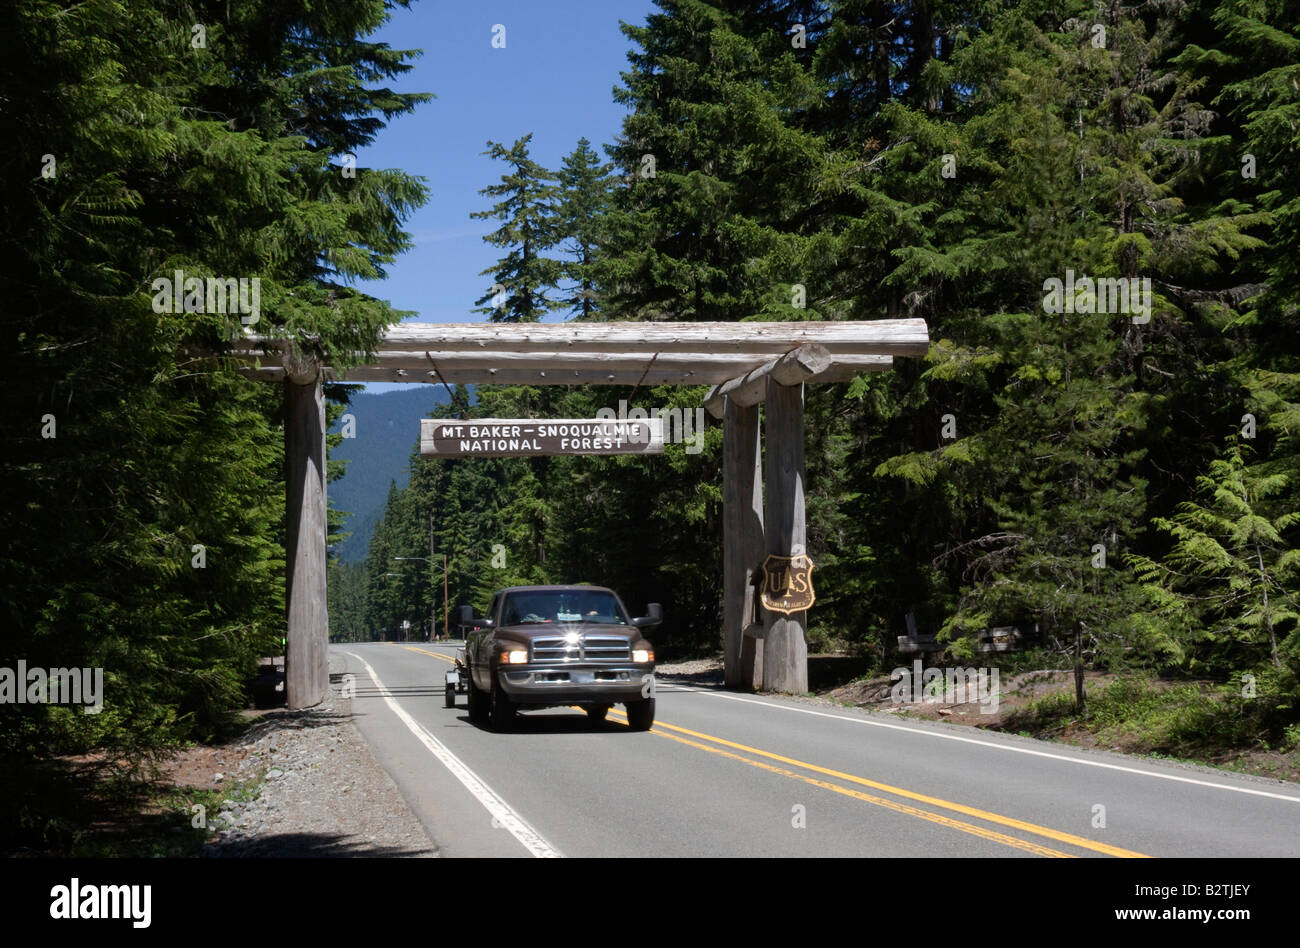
x: 543, y: 646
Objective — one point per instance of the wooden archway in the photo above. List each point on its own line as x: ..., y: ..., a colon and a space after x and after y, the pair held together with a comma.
x: 746, y: 363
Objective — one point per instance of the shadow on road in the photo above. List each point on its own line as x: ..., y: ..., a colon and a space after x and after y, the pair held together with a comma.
x: 357, y: 691
x: 302, y: 845
x: 548, y: 722
x: 417, y: 691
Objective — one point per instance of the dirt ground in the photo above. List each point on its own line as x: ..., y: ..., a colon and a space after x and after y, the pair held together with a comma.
x: 293, y: 783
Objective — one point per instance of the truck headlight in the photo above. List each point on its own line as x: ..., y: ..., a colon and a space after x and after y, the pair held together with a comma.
x: 518, y: 657
x: 642, y: 655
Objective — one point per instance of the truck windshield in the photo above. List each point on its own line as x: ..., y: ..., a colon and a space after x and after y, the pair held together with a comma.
x: 524, y: 608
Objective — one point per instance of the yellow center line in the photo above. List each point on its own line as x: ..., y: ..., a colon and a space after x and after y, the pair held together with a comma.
x: 980, y: 831
x: 1057, y: 835
x: 445, y: 658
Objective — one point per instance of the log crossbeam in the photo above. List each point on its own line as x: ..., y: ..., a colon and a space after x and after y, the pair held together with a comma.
x: 796, y: 366
x: 894, y: 337
x: 563, y: 368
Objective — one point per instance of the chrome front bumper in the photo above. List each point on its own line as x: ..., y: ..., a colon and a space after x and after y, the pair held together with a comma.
x: 564, y: 684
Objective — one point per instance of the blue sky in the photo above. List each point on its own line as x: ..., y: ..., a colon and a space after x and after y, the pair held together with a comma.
x: 554, y: 78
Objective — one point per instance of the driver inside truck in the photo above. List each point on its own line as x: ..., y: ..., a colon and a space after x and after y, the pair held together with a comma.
x: 596, y: 608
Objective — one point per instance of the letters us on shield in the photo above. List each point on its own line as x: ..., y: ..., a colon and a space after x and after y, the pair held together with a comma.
x: 787, y: 583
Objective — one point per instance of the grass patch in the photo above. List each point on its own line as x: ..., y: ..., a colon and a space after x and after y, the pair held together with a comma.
x: 163, y: 823
x: 97, y: 806
x: 1145, y: 716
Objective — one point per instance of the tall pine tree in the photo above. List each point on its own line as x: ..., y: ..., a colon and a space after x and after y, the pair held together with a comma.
x: 525, y: 276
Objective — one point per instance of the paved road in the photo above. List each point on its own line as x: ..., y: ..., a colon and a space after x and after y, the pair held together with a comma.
x: 737, y: 775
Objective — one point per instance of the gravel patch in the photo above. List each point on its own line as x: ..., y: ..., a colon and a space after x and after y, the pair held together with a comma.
x: 703, y: 671
x: 314, y: 789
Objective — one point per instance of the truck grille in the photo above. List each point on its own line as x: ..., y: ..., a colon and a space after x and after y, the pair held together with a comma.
x: 591, y: 648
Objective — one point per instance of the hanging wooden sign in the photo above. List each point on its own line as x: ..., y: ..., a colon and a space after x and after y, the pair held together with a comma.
x: 539, y: 437
x: 787, y: 583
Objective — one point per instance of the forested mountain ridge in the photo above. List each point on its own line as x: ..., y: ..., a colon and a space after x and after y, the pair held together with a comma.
x: 384, y: 426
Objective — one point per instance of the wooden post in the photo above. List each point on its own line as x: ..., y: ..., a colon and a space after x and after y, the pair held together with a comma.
x: 785, y: 650
x: 742, y: 544
x: 306, y: 665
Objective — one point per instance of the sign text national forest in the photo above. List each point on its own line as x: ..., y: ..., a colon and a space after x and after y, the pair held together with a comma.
x: 539, y: 437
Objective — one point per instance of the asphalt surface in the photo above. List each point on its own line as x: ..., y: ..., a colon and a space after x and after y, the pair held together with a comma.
x: 723, y: 774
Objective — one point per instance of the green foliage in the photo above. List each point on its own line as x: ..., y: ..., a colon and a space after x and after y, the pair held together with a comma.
x: 528, y: 227
x: 942, y: 160
x: 146, y: 532
x: 1230, y: 576
x: 945, y: 161
x: 1138, y: 715
x: 347, y: 602
x: 581, y: 204
x: 722, y: 184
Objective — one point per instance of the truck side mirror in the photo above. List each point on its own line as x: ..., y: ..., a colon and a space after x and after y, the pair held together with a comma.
x: 465, y: 615
x: 654, y: 616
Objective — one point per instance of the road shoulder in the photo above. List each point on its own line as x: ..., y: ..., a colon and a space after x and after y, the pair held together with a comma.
x: 322, y: 793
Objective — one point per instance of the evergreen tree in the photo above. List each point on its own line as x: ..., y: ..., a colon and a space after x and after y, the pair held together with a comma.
x: 1062, y: 156
x: 149, y: 516
x: 1231, y: 578
x: 347, y: 602
x: 722, y: 185
x: 1257, y: 50
x: 583, y: 200
x: 525, y: 275
x: 336, y: 403
x: 391, y: 590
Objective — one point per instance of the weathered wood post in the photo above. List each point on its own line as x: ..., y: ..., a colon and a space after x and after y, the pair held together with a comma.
x: 785, y: 650
x: 742, y: 544
x: 746, y: 536
x: 306, y: 670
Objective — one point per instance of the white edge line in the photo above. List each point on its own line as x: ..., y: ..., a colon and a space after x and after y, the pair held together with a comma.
x: 501, y: 811
x: 1005, y: 747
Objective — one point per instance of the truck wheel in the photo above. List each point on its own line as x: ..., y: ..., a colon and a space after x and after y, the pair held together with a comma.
x: 448, y: 694
x: 641, y: 714
x: 477, y: 701
x: 502, y: 711
x: 596, y: 712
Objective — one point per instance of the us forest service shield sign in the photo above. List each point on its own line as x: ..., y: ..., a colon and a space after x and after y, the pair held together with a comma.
x: 787, y: 583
